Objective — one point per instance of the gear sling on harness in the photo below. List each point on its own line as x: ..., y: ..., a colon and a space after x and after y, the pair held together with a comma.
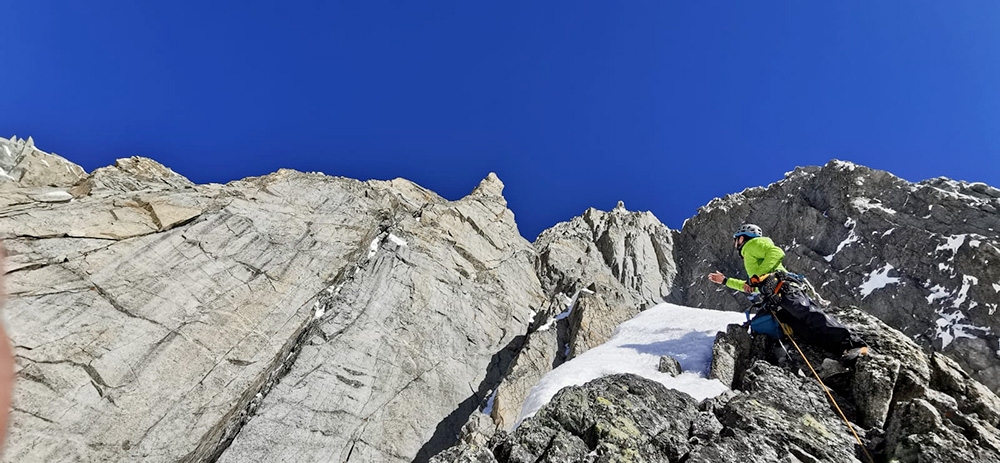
x: 784, y: 301
x: 766, y: 323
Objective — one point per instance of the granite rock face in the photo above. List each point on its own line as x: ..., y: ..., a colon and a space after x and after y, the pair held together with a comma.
x: 409, y: 342
x: 157, y: 320
x: 625, y: 258
x: 920, y: 256
x: 599, y: 269
x: 26, y: 166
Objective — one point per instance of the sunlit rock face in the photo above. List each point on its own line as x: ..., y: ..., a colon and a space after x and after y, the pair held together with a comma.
x: 287, y: 317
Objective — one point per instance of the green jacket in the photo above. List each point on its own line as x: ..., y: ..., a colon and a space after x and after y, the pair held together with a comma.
x: 760, y: 256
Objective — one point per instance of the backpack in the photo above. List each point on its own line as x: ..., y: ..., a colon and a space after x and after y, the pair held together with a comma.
x: 765, y: 323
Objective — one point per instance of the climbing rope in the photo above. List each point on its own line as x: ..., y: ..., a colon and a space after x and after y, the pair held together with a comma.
x: 788, y: 333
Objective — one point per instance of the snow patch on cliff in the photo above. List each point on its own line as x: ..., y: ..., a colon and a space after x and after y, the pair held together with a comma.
x: 950, y: 328
x: 865, y: 204
x: 877, y: 280
x: 852, y: 237
x: 952, y: 243
x: 963, y: 293
x: 684, y: 333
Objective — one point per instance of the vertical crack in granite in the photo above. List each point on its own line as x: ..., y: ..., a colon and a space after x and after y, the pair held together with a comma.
x: 221, y: 437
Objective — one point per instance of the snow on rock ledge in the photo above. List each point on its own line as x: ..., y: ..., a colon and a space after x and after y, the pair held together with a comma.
x: 684, y: 333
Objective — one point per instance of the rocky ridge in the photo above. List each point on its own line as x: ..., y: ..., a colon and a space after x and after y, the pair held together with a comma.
x: 305, y: 317
x: 923, y: 409
x: 158, y: 320
x: 600, y: 269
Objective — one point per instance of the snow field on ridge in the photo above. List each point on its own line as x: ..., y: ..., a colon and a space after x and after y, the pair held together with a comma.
x: 684, y: 333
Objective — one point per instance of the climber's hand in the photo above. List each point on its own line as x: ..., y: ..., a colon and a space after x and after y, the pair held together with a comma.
x: 717, y: 277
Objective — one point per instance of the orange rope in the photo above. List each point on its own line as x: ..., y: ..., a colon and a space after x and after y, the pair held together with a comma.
x: 788, y: 332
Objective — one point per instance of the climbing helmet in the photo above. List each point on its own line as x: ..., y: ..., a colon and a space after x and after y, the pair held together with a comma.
x: 748, y: 230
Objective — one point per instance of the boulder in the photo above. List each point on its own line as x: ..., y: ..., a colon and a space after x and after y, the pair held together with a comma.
x: 669, y: 365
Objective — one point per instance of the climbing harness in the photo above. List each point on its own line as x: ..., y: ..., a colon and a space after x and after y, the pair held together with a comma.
x: 788, y: 332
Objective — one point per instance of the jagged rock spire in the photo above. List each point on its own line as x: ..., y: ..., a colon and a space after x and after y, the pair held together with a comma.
x: 489, y: 186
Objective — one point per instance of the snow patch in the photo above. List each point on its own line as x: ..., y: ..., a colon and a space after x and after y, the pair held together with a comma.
x: 792, y: 246
x: 937, y: 292
x: 888, y: 232
x: 950, y: 327
x: 844, y: 165
x: 488, y: 410
x: 971, y: 200
x: 335, y: 290
x: 852, y: 237
x: 877, y: 280
x: 374, y: 246
x: 395, y: 239
x: 996, y: 287
x: 864, y: 205
x: 952, y: 243
x: 685, y: 333
x: 570, y: 304
x: 963, y: 293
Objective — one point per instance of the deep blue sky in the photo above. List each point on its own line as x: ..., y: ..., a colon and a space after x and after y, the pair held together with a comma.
x: 662, y: 104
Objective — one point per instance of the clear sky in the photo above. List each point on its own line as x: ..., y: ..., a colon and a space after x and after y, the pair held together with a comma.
x: 663, y: 104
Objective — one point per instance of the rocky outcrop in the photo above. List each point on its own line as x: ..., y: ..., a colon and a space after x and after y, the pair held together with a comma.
x: 410, y: 342
x: 916, y: 255
x: 921, y: 409
x: 135, y: 174
x: 600, y: 269
x: 628, y: 255
x: 156, y: 320
x: 26, y: 166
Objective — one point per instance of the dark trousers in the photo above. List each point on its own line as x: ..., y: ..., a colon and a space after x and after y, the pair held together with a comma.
x: 809, y: 323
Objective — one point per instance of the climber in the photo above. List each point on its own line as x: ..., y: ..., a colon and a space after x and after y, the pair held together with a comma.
x: 784, y: 296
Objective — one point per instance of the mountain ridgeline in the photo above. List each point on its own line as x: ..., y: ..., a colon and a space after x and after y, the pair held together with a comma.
x: 302, y: 317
